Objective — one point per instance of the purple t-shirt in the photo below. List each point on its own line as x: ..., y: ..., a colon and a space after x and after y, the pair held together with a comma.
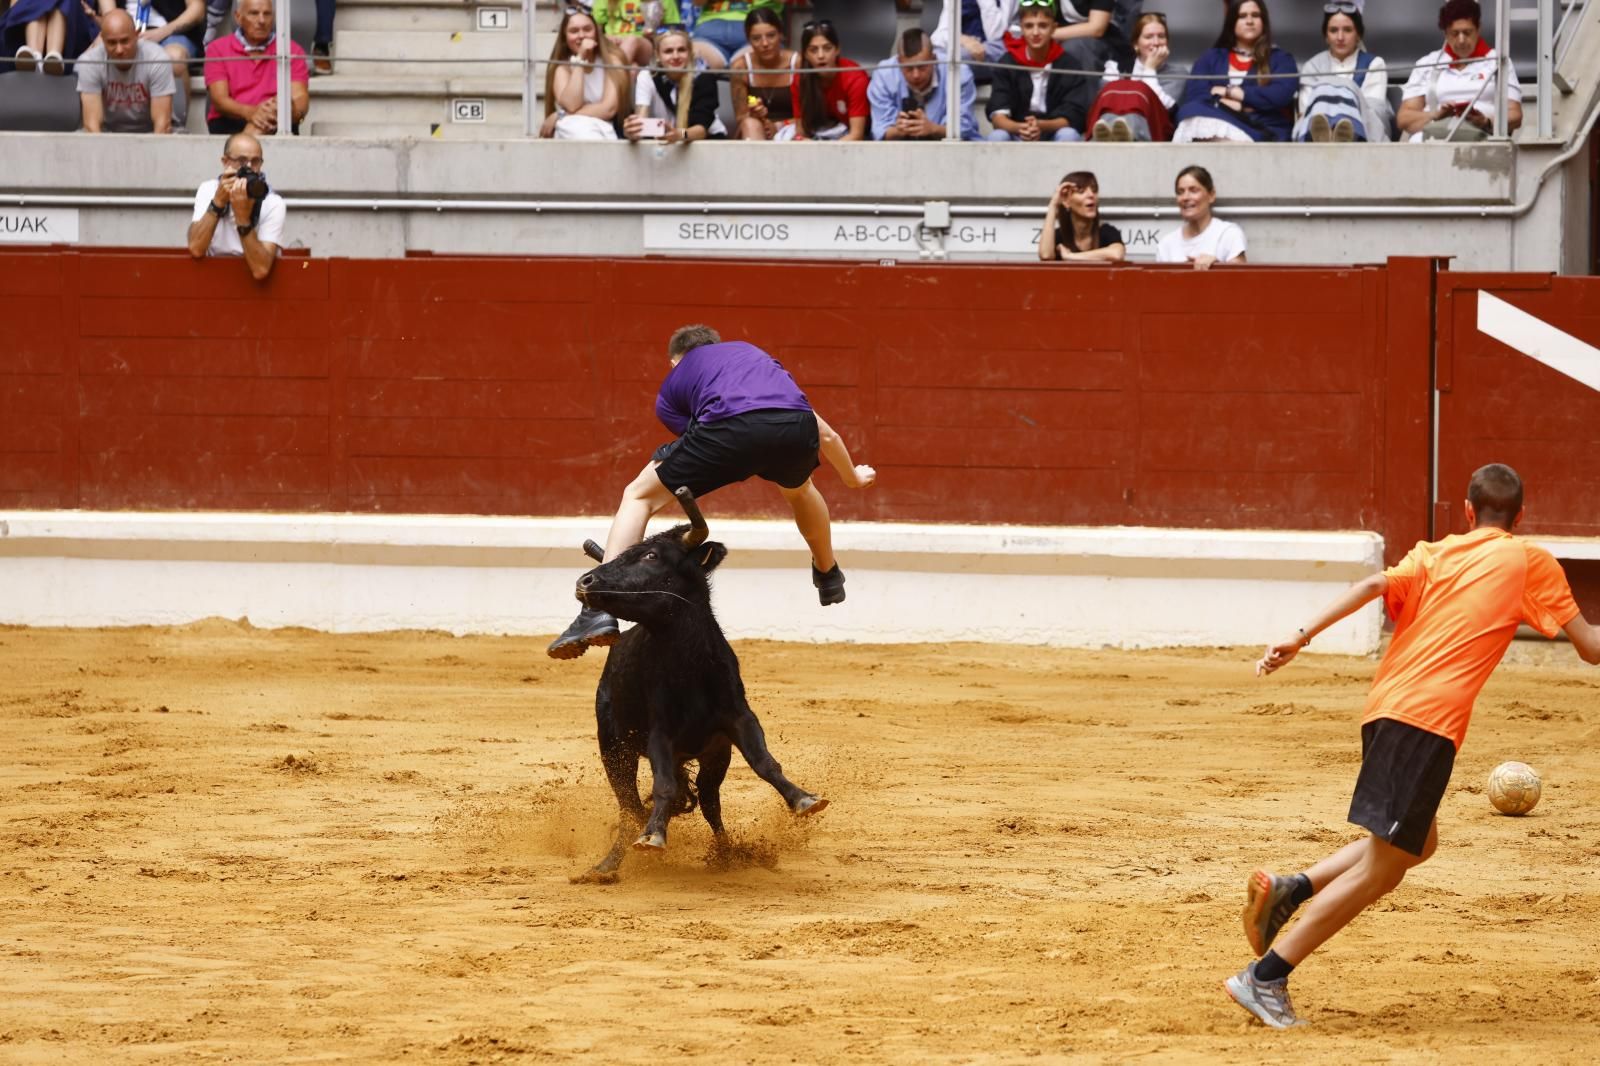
x: 717, y: 381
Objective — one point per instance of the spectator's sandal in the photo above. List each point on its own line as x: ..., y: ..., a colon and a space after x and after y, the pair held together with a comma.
x: 26, y: 60
x: 830, y: 586
x: 53, y: 64
x: 321, y: 60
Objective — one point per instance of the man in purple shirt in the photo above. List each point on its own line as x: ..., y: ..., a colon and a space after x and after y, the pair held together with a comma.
x: 738, y: 414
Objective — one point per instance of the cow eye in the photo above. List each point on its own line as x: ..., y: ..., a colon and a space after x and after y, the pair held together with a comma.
x: 649, y: 555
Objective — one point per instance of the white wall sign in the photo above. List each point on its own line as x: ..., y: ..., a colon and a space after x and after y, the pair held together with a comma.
x: 468, y: 109
x: 859, y: 235
x: 494, y: 18
x: 38, y: 225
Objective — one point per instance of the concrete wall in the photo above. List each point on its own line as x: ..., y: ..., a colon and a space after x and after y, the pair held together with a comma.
x: 1264, y: 187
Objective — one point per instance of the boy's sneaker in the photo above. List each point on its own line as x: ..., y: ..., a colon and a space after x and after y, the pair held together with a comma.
x: 1268, y: 903
x: 592, y: 628
x: 1102, y: 131
x: 1267, y: 1000
x: 830, y: 586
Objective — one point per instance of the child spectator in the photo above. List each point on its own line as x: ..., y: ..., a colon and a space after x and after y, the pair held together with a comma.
x: 586, y: 84
x: 126, y: 82
x: 1458, y: 81
x: 1203, y: 239
x: 629, y: 24
x: 1247, y: 86
x: 723, y: 26
x: 684, y: 100
x: 761, y: 80
x: 242, y: 75
x: 984, y: 25
x: 1138, y: 106
x: 44, y: 34
x: 831, y: 105
x: 1092, y: 39
x: 1344, y: 91
x: 1072, y: 230
x: 1043, y: 102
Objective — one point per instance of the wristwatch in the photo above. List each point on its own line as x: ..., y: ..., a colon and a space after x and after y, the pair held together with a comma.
x: 219, y: 209
x: 246, y: 228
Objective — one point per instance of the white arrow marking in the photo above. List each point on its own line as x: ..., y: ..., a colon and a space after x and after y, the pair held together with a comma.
x: 1538, y: 339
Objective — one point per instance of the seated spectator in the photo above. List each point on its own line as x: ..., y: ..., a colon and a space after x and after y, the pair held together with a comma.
x: 907, y: 94
x: 1203, y: 239
x: 242, y: 75
x: 44, y: 34
x: 1072, y: 230
x: 586, y: 84
x: 254, y: 213
x: 125, y: 81
x: 1138, y: 106
x: 175, y: 25
x: 1247, y: 89
x: 984, y: 25
x: 1044, y: 104
x: 1344, y: 92
x: 684, y: 100
x: 761, y: 80
x: 1458, y: 82
x: 723, y: 27
x: 829, y: 105
x: 1092, y: 38
x: 628, y: 24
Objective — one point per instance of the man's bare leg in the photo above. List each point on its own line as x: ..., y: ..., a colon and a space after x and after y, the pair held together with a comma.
x: 643, y: 497
x: 811, y: 517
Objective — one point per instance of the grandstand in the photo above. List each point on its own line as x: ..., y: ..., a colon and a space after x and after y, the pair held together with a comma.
x: 415, y: 145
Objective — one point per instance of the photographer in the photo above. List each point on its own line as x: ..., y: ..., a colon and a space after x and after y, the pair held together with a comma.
x: 236, y: 213
x: 907, y: 94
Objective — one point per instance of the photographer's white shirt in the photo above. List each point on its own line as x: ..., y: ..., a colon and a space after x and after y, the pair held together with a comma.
x: 225, y: 241
x: 1223, y: 241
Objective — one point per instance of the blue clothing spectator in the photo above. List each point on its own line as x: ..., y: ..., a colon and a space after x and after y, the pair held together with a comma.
x: 983, y: 30
x: 918, y: 92
x: 1265, y: 112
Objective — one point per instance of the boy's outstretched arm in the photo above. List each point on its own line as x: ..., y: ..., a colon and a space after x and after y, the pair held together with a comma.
x: 1356, y: 596
x: 1586, y: 638
x: 832, y: 447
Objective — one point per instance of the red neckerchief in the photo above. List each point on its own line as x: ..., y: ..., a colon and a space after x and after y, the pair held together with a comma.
x: 1242, y: 64
x: 1457, y: 62
x: 1017, y: 48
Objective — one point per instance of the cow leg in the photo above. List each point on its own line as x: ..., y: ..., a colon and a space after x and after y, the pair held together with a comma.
x: 752, y: 742
x: 663, y: 792
x: 622, y: 770
x: 713, y: 768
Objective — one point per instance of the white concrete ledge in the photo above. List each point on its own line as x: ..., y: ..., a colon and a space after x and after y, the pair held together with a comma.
x: 1068, y: 586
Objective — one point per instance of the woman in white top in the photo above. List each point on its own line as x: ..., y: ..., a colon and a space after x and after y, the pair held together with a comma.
x: 1458, y: 82
x: 585, y: 84
x: 1203, y: 239
x: 686, y: 102
x: 1344, y: 92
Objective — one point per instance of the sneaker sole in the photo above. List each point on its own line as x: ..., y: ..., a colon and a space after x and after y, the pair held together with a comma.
x: 1227, y: 986
x: 1258, y: 897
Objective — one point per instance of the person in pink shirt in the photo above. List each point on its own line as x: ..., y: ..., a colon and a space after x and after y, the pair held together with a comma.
x: 242, y: 75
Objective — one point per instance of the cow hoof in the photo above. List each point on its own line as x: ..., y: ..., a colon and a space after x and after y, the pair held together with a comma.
x: 809, y: 805
x: 594, y: 877
x: 651, y: 842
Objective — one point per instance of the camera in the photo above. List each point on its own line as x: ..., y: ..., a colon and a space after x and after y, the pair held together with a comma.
x: 255, y: 183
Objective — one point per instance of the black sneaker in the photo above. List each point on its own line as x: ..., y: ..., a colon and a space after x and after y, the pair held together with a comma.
x: 591, y: 628
x: 830, y: 586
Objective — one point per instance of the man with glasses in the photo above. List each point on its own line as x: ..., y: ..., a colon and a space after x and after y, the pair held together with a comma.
x: 236, y: 213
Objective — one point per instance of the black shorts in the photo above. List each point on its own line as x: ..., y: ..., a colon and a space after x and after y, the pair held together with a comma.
x: 778, y: 446
x: 1404, y: 771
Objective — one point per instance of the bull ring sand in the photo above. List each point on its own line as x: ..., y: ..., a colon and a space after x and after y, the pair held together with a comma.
x: 282, y: 846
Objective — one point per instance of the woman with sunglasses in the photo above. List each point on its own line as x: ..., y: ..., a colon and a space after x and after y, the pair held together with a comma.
x: 1245, y: 87
x: 761, y: 80
x: 586, y: 82
x: 684, y: 100
x: 1344, y: 91
x: 1451, y: 93
x: 719, y: 31
x: 829, y: 105
x: 628, y: 24
x: 1137, y: 106
x: 1072, y: 230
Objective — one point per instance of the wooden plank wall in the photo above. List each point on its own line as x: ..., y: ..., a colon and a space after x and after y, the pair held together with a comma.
x: 1245, y: 397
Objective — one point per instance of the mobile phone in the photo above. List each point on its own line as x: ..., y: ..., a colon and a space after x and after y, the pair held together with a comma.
x: 652, y: 127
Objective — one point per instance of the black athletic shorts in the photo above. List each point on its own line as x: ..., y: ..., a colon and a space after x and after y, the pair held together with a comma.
x: 1404, y: 771
x: 779, y: 446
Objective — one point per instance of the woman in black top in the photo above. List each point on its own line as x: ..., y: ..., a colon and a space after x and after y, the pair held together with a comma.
x: 762, y: 110
x: 1072, y: 230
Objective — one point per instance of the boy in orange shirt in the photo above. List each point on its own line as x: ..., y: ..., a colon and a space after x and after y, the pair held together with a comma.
x: 1456, y: 604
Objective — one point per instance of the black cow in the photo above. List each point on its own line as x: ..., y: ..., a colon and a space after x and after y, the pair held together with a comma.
x: 671, y: 691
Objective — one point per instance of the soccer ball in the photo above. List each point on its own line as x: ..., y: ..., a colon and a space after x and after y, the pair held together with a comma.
x: 1514, y: 788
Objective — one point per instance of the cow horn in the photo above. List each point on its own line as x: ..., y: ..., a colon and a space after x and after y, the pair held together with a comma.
x: 697, y: 521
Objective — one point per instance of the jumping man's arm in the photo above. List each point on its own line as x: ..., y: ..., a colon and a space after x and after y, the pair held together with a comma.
x: 1355, y: 597
x: 1586, y: 638
x: 832, y: 447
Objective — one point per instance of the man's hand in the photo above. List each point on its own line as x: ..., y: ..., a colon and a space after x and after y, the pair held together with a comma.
x: 243, y: 206
x: 1279, y: 655
x: 1030, y: 128
x: 973, y: 46
x: 864, y: 476
x: 264, y: 116
x: 913, y: 123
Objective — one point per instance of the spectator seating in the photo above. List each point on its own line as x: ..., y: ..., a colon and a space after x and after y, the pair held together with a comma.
x: 35, y: 104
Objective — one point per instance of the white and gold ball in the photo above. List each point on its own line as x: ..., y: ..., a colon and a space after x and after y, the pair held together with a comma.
x: 1514, y: 787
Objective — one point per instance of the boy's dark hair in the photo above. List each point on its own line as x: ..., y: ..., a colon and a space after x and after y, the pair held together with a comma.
x: 687, y: 338
x: 1456, y: 10
x: 913, y: 41
x: 1496, y: 495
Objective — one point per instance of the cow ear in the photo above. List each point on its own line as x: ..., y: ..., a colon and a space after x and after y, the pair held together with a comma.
x: 710, y: 555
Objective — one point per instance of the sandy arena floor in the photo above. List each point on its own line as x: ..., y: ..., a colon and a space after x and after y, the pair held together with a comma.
x: 227, y: 844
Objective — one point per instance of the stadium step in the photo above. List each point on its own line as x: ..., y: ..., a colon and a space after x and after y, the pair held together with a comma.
x: 432, y: 53
x: 418, y: 131
x: 342, y: 101
x: 448, y: 15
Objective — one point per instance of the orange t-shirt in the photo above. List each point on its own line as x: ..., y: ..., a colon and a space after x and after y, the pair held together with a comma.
x: 1456, y: 604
